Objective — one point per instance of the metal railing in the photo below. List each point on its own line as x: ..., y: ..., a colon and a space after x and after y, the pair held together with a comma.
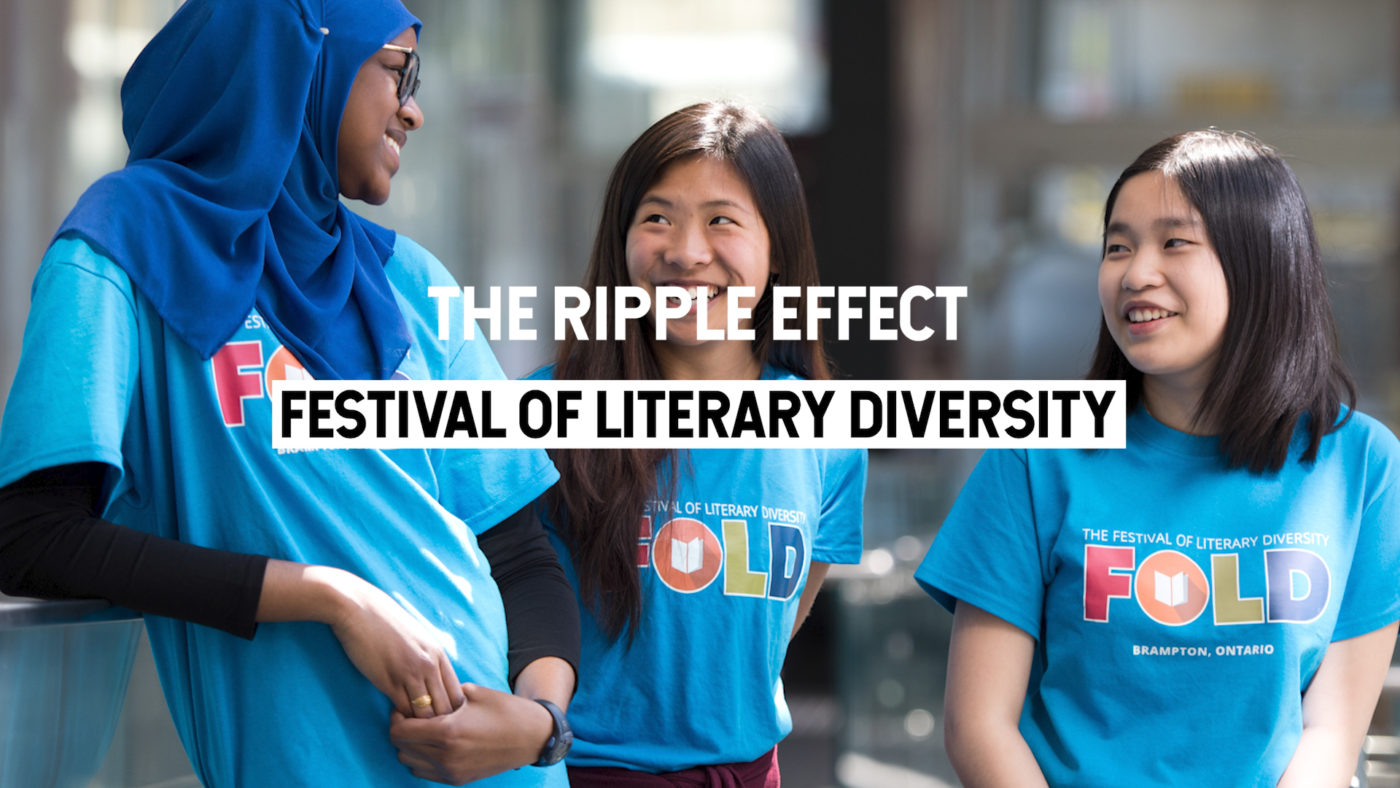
x: 64, y: 668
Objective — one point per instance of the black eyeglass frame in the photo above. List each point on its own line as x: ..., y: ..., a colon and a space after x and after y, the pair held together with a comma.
x: 408, y: 75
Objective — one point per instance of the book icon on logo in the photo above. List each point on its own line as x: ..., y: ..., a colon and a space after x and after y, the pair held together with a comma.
x: 1170, y: 589
x: 295, y: 373
x: 687, y: 556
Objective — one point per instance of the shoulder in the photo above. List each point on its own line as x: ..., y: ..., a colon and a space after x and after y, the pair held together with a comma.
x: 835, y: 463
x: 842, y: 474
x: 1364, y: 423
x: 1019, y: 477
x: 73, y: 263
x: 75, y: 251
x: 413, y: 269
x: 1362, y: 438
x: 840, y: 464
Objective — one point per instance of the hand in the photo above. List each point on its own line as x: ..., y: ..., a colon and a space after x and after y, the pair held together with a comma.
x: 396, y: 652
x: 491, y: 733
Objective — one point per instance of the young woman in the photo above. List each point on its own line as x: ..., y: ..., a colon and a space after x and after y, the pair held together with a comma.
x: 679, y: 673
x: 1216, y: 604
x: 135, y: 453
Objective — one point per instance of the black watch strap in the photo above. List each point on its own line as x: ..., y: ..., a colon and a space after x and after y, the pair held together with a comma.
x: 560, y: 740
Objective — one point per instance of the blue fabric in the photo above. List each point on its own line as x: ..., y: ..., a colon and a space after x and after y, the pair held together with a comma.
x: 1179, y: 609
x: 701, y: 683
x: 102, y: 378
x: 230, y: 196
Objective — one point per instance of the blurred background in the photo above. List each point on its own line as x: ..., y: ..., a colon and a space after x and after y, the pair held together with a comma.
x: 942, y: 142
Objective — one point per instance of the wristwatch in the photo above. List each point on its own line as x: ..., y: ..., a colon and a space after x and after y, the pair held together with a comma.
x: 559, y: 742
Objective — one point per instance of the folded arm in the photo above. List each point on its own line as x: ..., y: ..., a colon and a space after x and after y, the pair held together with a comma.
x: 53, y: 545
x: 495, y: 731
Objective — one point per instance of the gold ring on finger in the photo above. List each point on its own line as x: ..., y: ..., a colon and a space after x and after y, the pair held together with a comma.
x: 422, y: 701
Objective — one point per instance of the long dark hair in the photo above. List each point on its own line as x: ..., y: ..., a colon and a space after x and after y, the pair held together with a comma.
x: 1279, y: 360
x: 600, y: 498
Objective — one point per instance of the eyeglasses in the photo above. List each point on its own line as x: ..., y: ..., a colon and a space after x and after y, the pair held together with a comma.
x: 408, y: 75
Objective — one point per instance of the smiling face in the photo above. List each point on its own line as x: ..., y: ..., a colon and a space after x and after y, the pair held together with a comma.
x: 374, y: 127
x: 698, y: 227
x: 1163, y: 291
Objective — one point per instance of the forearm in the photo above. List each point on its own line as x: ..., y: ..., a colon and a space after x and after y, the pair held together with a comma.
x: 987, y: 754
x: 53, y: 546
x: 1337, y: 709
x: 1325, y: 757
x: 549, y: 678
x: 304, y: 592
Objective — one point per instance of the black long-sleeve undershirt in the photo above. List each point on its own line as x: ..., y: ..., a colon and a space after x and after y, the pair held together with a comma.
x: 542, y: 618
x: 54, y: 546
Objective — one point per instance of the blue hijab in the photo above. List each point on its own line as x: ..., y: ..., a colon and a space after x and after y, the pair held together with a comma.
x: 230, y: 195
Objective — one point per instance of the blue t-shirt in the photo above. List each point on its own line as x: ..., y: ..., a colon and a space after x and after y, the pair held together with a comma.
x: 1180, y: 609
x: 722, y: 568
x: 101, y: 378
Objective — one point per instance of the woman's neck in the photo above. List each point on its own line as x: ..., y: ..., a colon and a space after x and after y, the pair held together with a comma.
x: 1176, y: 405
x: 710, y: 361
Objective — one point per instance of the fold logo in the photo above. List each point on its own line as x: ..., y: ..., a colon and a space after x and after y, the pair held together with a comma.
x: 687, y: 556
x: 1171, y: 589
x: 240, y: 375
x: 284, y: 366
x: 1174, y: 590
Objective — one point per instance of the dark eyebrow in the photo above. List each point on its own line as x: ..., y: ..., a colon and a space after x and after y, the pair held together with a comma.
x: 728, y: 204
x: 1172, y: 222
x: 665, y: 203
x: 1164, y: 223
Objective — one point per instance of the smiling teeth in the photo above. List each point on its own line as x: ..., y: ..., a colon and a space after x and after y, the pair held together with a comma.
x: 392, y: 143
x: 1144, y: 315
x: 698, y: 293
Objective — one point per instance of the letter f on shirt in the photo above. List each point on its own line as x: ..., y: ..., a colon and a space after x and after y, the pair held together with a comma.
x: 1107, y: 574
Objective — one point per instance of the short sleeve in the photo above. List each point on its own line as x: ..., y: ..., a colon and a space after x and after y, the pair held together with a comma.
x: 78, y: 366
x: 986, y: 552
x: 485, y: 486
x: 1372, y: 596
x: 481, y: 487
x: 838, y: 539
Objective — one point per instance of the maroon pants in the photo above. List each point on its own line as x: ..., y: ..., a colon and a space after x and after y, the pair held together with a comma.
x: 759, y: 773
